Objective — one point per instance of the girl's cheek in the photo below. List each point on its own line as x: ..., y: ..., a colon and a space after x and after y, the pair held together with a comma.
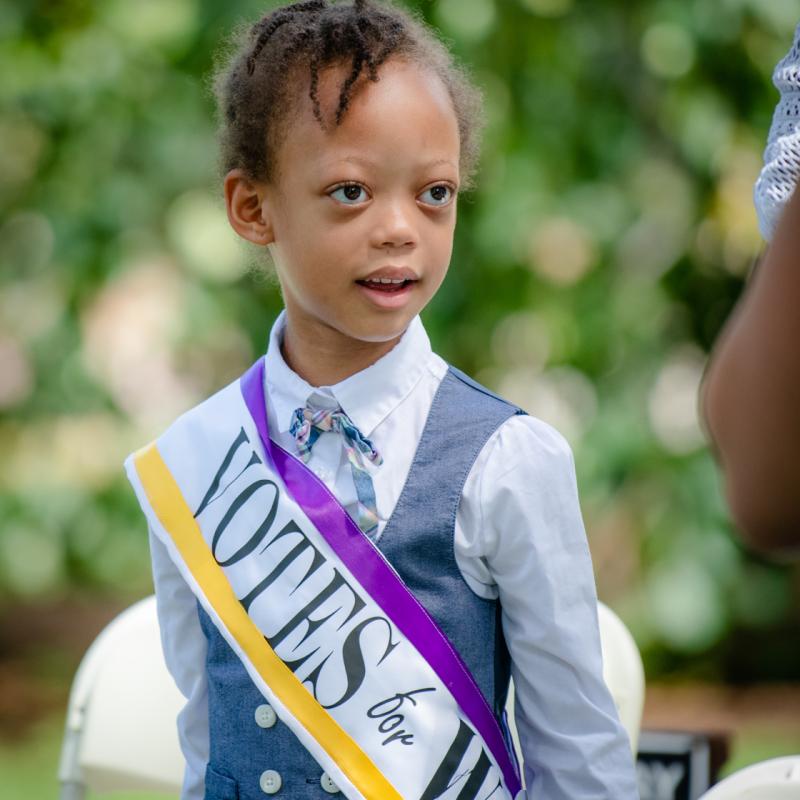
x: 342, y: 236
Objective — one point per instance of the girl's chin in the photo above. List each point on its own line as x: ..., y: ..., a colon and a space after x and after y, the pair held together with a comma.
x: 383, y: 332
x: 378, y: 329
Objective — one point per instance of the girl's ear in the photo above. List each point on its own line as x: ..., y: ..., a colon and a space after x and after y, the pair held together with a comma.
x: 248, y: 208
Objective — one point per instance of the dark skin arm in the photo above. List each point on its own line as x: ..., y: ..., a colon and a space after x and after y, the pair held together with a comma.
x: 751, y: 396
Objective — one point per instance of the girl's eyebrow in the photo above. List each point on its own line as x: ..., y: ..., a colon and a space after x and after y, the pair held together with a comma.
x: 370, y: 163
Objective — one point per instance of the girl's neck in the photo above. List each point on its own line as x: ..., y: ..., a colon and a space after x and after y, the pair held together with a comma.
x: 323, y: 361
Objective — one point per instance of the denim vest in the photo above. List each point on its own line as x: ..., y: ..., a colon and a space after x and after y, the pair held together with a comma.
x: 252, y: 754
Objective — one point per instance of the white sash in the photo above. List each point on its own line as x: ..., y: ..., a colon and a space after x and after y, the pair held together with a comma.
x: 329, y: 659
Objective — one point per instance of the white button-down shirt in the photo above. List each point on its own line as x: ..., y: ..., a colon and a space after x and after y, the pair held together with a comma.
x: 519, y: 537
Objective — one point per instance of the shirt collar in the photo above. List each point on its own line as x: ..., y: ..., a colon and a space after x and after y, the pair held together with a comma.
x: 367, y: 397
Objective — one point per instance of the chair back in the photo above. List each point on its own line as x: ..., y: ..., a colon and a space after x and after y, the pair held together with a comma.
x: 775, y: 779
x: 121, y: 733
x: 623, y: 671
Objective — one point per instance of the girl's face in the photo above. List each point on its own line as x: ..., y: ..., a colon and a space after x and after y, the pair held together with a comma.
x: 370, y: 201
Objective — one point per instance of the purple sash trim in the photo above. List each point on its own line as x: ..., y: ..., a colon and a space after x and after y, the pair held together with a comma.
x: 378, y: 577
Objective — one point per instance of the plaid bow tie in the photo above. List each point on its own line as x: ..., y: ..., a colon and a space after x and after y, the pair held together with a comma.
x: 309, y: 423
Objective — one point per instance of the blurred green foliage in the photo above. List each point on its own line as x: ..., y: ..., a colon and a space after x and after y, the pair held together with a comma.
x: 608, y: 239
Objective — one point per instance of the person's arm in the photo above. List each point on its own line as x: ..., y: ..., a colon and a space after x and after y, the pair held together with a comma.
x: 751, y: 396
x: 752, y: 387
x: 522, y: 515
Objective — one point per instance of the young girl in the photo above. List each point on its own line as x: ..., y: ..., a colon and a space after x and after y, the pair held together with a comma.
x: 354, y: 545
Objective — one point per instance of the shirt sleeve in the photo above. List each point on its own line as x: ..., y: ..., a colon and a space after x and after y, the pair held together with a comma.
x: 522, y: 532
x: 781, y: 168
x: 184, y: 645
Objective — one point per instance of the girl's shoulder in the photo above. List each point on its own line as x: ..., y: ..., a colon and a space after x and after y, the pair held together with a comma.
x: 478, y: 387
x: 520, y: 437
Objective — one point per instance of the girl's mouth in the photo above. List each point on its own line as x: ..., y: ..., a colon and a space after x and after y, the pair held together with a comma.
x: 385, y: 285
x: 389, y: 294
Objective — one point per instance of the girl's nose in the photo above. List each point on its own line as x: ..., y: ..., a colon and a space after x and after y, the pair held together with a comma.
x: 396, y: 228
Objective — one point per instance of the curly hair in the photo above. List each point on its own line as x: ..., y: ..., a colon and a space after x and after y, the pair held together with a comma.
x: 256, y: 85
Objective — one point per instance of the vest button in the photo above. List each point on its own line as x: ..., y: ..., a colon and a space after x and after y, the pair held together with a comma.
x: 326, y: 782
x: 270, y: 782
x: 265, y: 716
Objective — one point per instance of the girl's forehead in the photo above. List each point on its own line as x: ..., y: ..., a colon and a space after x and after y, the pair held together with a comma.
x: 408, y: 108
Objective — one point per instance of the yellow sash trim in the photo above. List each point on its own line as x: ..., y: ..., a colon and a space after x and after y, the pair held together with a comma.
x: 171, y: 509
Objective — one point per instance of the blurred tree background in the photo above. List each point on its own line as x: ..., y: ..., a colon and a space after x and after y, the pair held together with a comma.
x: 609, y: 236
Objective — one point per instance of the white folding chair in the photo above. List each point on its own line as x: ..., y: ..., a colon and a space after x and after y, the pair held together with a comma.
x: 121, y: 733
x: 776, y: 779
x: 623, y: 673
x: 120, y: 730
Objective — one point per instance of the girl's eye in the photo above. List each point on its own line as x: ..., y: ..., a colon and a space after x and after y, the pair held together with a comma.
x: 350, y: 194
x: 440, y: 195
